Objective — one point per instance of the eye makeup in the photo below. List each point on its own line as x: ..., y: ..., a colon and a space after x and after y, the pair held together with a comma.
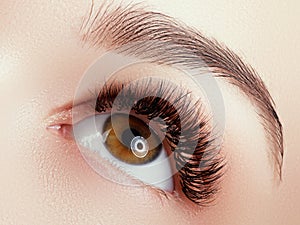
x: 188, y: 133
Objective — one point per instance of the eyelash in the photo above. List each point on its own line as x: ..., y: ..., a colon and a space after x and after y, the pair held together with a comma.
x: 201, y: 167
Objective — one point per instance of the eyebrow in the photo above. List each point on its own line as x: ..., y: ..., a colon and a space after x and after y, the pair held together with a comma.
x: 157, y: 36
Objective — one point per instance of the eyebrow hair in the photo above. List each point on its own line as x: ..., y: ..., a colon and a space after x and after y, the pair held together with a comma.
x: 158, y: 36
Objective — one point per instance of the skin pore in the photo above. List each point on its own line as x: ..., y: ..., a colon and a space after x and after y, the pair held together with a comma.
x: 44, y: 178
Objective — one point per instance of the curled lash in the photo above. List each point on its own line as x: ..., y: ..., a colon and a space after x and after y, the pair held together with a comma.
x: 188, y: 133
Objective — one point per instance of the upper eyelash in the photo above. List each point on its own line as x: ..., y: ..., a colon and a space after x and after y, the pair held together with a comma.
x: 201, y: 167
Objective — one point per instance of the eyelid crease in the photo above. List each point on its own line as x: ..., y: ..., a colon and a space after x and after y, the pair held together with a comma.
x: 163, y: 40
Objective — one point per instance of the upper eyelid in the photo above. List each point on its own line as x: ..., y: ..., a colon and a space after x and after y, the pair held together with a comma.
x: 178, y: 44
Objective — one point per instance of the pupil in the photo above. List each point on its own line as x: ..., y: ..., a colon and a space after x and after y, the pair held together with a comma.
x: 128, y: 135
x: 140, y: 146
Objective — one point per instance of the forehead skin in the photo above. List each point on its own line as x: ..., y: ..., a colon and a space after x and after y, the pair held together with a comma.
x: 39, y: 50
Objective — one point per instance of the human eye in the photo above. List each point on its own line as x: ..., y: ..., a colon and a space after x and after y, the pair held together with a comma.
x: 151, y: 127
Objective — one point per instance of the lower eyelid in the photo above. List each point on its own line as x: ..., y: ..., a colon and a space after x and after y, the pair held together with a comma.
x: 109, y: 168
x: 133, y: 183
x: 139, y: 190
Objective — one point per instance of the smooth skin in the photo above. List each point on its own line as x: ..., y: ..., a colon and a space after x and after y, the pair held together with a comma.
x: 45, y: 180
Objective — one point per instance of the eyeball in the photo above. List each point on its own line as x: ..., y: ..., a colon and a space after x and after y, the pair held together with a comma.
x: 136, y: 149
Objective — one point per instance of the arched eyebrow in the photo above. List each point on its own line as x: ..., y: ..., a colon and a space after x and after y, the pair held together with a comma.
x: 158, y: 36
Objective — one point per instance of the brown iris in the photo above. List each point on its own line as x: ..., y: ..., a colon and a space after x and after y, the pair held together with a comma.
x: 130, y: 139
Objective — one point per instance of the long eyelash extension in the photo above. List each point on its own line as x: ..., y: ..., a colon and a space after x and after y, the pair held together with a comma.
x: 187, y: 130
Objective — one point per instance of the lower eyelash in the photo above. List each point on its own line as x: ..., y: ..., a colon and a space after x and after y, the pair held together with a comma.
x: 197, y: 160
